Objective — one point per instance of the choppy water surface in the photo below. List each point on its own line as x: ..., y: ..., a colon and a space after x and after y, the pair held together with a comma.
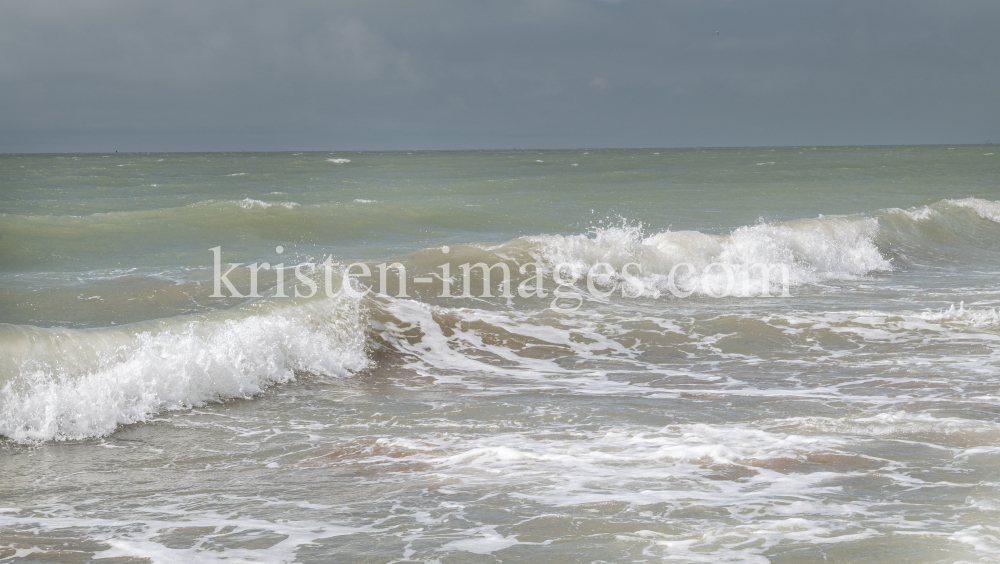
x: 856, y: 419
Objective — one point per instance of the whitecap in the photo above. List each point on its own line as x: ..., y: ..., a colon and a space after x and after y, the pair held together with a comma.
x: 250, y: 203
x: 985, y: 208
x: 809, y: 250
x: 74, y: 384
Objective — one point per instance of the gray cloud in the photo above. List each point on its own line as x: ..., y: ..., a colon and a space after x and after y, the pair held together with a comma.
x: 228, y: 75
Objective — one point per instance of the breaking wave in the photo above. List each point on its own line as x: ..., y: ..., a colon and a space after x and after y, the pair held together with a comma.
x: 61, y: 383
x: 70, y: 384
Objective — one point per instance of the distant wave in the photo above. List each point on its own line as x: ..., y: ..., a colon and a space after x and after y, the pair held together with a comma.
x: 249, y: 203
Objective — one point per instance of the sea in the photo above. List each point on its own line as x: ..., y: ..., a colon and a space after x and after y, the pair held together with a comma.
x: 752, y: 355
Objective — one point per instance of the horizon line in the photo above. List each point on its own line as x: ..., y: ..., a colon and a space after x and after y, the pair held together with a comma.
x: 674, y: 148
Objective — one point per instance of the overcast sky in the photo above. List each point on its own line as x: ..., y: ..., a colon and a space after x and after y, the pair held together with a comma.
x: 183, y: 75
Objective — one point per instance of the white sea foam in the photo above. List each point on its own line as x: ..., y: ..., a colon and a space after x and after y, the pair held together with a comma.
x: 481, y: 540
x: 125, y: 377
x: 339, y: 161
x: 972, y: 317
x: 888, y: 424
x: 772, y: 488
x: 950, y: 324
x: 744, y: 544
x: 692, y: 443
x: 250, y: 203
x: 984, y: 539
x: 450, y: 350
x: 985, y: 208
x: 811, y: 250
x: 916, y: 214
x: 666, y: 468
x: 143, y: 540
x: 939, y: 210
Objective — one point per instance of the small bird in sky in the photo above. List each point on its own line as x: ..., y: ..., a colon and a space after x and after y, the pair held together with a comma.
x: 717, y: 33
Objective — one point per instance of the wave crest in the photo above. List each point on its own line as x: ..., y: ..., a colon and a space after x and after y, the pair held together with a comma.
x: 808, y: 250
x: 125, y: 376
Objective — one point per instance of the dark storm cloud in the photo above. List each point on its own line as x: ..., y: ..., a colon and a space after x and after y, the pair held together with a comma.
x: 100, y: 75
